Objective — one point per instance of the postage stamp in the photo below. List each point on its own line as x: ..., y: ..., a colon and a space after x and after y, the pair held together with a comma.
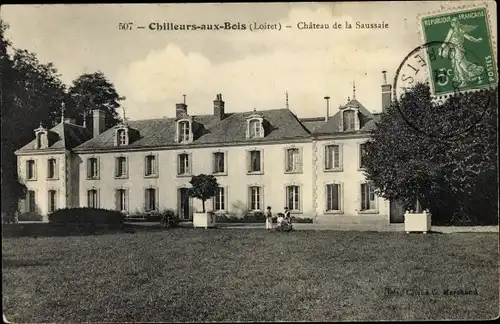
x: 465, y: 58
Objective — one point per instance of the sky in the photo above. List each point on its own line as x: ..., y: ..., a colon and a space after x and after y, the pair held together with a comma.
x: 251, y: 69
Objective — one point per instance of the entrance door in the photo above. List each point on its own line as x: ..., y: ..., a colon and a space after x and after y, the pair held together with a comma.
x: 397, y: 212
x: 184, y: 204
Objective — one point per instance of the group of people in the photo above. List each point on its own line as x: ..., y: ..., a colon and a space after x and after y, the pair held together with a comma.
x: 269, y: 217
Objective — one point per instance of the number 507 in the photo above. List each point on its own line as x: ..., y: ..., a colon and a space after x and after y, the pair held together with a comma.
x: 125, y: 26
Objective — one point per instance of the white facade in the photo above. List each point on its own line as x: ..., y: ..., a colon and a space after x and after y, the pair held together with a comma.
x: 75, y: 180
x: 311, y: 166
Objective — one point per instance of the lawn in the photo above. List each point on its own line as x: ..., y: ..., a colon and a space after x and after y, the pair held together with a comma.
x: 249, y: 275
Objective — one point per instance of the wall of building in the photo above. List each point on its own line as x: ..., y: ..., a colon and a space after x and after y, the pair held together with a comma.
x: 41, y: 184
x: 236, y: 182
x: 350, y: 176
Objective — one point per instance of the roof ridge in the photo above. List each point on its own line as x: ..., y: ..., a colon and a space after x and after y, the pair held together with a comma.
x: 206, y: 115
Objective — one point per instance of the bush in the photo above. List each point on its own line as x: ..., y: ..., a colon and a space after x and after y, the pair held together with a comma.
x: 86, y: 216
x: 256, y: 217
x: 169, y: 218
x: 29, y: 216
x: 301, y: 220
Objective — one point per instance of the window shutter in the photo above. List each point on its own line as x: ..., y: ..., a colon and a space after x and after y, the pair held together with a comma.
x: 299, y: 160
x: 146, y: 158
x: 261, y: 155
x: 127, y: 199
x: 189, y: 157
x: 117, y: 199
x: 146, y: 200
x: 249, y: 161
x: 117, y: 162
x: 363, y: 196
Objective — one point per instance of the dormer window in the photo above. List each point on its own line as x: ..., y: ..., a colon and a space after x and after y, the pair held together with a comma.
x: 184, y: 131
x: 350, y: 120
x: 122, y: 136
x: 41, y: 139
x: 255, y: 127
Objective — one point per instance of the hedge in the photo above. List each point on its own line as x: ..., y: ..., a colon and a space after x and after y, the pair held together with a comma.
x: 256, y: 218
x: 86, y: 216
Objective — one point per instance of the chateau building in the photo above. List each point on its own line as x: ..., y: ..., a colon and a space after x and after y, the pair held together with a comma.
x: 261, y: 158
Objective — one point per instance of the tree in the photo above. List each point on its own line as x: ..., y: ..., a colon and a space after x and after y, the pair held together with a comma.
x: 92, y: 91
x: 445, y: 155
x: 30, y: 93
x: 203, y: 187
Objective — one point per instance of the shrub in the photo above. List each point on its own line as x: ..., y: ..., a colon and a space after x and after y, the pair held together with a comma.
x: 169, y: 218
x: 29, y: 216
x: 301, y: 220
x: 86, y: 216
x: 256, y: 217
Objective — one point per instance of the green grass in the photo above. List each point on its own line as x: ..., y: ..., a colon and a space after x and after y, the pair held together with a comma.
x: 248, y: 275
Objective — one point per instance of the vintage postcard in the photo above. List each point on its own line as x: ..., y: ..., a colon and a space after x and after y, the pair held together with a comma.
x: 249, y: 162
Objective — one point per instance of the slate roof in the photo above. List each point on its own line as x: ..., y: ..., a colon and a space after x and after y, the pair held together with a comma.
x: 367, y: 120
x: 68, y: 136
x: 311, y: 124
x: 280, y: 124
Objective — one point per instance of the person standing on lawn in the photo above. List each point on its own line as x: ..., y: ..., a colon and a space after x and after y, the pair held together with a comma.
x: 287, y: 215
x: 269, y: 218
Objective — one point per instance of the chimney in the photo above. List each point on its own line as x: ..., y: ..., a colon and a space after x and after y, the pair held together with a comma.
x: 219, y: 107
x: 98, y: 126
x: 327, y: 98
x: 181, y: 108
x: 386, y: 93
x: 69, y: 120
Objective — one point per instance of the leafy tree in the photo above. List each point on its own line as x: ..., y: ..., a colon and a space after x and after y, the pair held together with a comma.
x: 443, y: 154
x: 30, y: 92
x: 91, y: 91
x: 203, y: 187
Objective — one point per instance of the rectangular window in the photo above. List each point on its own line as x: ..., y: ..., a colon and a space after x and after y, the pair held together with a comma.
x: 219, y: 165
x: 349, y: 120
x: 38, y: 141
x: 219, y: 199
x: 150, y: 168
x: 52, y: 200
x: 51, y: 169
x: 121, y: 199
x: 150, y: 199
x: 293, y: 197
x: 31, y: 201
x: 183, y: 162
x: 292, y: 160
x: 92, y: 168
x: 255, y: 129
x: 255, y: 161
x: 122, y: 137
x: 184, y: 131
x: 92, y: 198
x: 332, y: 197
x: 30, y: 169
x: 121, y: 167
x: 362, y: 155
x: 367, y: 197
x: 332, y: 157
x: 255, y: 198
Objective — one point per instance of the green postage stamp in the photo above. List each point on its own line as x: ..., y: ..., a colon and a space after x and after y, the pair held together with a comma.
x: 460, y: 52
